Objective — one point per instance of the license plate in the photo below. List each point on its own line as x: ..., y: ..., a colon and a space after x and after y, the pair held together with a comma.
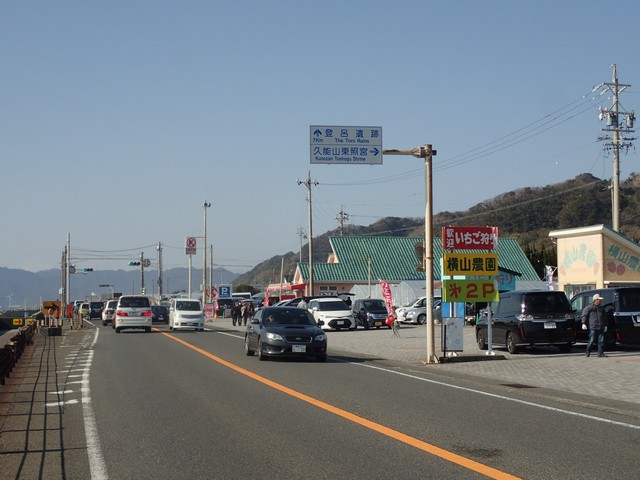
x: 549, y: 325
x: 299, y: 348
x: 379, y: 324
x: 340, y: 322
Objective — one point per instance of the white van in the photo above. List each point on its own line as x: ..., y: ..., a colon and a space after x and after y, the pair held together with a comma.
x: 186, y: 313
x: 133, y: 311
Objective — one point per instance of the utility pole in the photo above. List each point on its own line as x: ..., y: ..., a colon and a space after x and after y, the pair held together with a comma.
x: 427, y: 153
x: 204, y: 256
x: 302, y: 236
x: 618, y: 128
x: 341, y: 218
x: 308, y: 183
x: 159, y: 250
x: 142, y: 291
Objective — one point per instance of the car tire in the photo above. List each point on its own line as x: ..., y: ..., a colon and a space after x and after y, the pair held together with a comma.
x: 261, y: 355
x: 147, y: 330
x: 421, y: 319
x: 321, y: 358
x: 104, y: 324
x: 482, y: 340
x: 511, y: 344
x: 117, y: 329
x: 247, y: 349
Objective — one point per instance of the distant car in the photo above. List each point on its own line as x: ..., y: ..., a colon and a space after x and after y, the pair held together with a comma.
x: 370, y: 313
x: 133, y: 311
x: 76, y: 306
x: 108, y: 311
x: 186, y: 313
x: 285, y: 332
x: 332, y: 312
x: 160, y: 313
x: 83, y: 310
x: 95, y: 310
x: 415, y: 311
x: 527, y: 319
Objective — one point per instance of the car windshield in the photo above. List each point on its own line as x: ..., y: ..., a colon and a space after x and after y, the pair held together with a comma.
x: 289, y: 316
x: 189, y: 306
x: 543, y: 302
x: 97, y: 304
x: 630, y: 300
x: 333, y: 305
x: 134, y: 302
x: 374, y: 305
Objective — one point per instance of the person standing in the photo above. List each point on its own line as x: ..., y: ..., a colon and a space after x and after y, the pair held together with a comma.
x: 594, y: 319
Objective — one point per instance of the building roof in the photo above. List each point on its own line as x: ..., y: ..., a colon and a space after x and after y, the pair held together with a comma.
x: 360, y: 258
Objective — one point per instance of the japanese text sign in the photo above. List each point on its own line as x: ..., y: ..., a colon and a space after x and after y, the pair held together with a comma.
x: 469, y: 291
x: 469, y: 238
x: 470, y: 264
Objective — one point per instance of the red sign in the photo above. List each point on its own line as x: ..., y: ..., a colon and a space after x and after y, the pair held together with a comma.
x: 190, y: 245
x: 469, y: 238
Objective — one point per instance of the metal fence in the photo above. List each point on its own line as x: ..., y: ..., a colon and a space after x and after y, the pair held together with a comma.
x: 11, y: 352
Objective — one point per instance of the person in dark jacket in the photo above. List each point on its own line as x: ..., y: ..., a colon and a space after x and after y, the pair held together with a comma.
x: 595, y: 320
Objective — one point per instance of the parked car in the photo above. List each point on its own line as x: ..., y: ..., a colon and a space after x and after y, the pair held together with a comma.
x: 133, y: 311
x: 160, y: 314
x: 95, y: 310
x: 622, y: 309
x: 108, y: 311
x: 332, y: 312
x: 83, y: 310
x: 415, y: 311
x: 370, y: 313
x: 528, y: 319
x: 283, y: 332
x: 186, y: 313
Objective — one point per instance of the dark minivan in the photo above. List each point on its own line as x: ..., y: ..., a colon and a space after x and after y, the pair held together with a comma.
x: 622, y: 308
x: 529, y: 318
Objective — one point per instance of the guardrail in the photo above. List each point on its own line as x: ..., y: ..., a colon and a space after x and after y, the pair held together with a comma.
x: 11, y: 352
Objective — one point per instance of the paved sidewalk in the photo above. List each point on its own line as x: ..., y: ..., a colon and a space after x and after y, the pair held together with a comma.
x: 41, y: 422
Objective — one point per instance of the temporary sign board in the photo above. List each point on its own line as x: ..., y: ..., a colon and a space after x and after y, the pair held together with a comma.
x: 346, y: 145
x: 469, y: 238
x: 467, y: 264
x: 470, y: 291
x: 190, y: 245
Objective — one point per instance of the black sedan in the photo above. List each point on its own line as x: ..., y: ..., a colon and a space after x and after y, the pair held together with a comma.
x: 285, y: 332
x: 160, y: 314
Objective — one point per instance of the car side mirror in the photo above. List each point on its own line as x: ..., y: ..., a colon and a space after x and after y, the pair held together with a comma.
x: 315, y: 309
x: 320, y: 323
x: 255, y: 321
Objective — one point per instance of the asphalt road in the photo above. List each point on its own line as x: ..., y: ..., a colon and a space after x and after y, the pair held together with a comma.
x: 169, y: 405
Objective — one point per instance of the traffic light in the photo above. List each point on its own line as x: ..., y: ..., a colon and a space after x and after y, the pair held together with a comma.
x: 87, y: 269
x: 134, y: 264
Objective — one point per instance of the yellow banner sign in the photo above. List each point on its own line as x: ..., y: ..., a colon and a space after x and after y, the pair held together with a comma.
x: 17, y: 322
x: 470, y: 291
x: 470, y: 264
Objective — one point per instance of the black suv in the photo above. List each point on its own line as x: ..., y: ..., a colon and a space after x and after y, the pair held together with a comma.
x: 622, y: 308
x: 527, y: 319
x: 370, y: 313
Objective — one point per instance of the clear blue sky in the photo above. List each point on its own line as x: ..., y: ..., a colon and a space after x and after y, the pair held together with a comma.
x: 119, y: 119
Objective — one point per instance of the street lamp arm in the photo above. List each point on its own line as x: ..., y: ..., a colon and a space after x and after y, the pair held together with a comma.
x: 418, y: 152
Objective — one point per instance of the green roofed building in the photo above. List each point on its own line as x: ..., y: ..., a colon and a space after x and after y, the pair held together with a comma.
x: 362, y: 259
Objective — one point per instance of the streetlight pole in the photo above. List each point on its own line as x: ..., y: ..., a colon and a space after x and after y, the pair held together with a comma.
x: 204, y: 256
x: 427, y: 153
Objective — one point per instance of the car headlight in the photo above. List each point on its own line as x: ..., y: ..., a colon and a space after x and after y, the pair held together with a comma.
x: 409, y: 314
x: 274, y: 336
x: 320, y: 338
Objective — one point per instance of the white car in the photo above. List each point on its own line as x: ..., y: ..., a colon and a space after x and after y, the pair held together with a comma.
x: 415, y: 311
x: 133, y: 311
x: 108, y: 311
x: 186, y: 313
x: 333, y: 312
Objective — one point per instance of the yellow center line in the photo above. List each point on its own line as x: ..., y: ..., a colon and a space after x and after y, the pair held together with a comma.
x: 414, y: 442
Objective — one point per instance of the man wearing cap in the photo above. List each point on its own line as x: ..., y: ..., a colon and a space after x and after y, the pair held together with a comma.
x: 595, y: 320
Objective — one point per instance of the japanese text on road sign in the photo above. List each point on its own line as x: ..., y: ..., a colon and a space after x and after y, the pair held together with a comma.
x: 470, y: 264
x: 346, y: 145
x: 469, y: 291
x: 469, y: 238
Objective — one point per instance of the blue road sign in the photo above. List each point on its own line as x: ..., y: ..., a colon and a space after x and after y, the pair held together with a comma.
x: 346, y: 145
